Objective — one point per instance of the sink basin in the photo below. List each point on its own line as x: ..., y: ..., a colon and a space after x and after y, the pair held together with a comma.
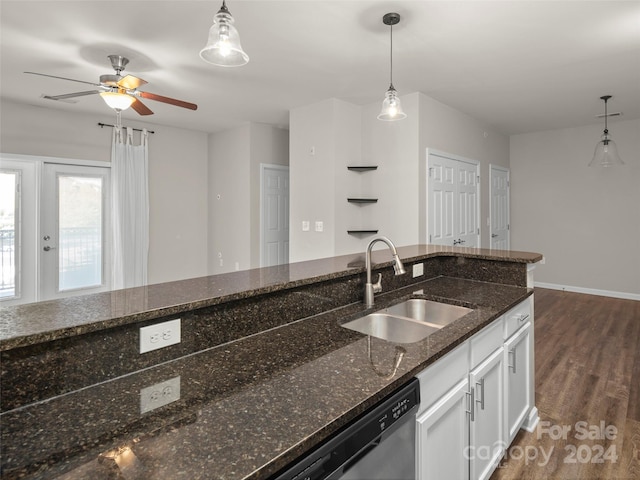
x: 409, y: 321
x: 432, y: 313
x: 391, y: 328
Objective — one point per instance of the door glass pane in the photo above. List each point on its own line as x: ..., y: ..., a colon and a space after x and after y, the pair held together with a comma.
x: 8, y: 216
x: 80, y: 231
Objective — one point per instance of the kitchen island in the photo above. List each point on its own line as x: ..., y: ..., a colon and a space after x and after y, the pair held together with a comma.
x: 264, y: 371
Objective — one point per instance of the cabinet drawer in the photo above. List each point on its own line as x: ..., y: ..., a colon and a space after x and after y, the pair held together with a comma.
x: 438, y: 378
x: 486, y: 341
x: 517, y: 317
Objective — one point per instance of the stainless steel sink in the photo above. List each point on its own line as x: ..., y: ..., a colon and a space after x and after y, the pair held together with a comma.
x: 433, y: 313
x: 390, y: 328
x: 409, y: 321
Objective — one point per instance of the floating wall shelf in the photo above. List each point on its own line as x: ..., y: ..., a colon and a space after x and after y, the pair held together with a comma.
x: 364, y: 168
x: 362, y: 200
x: 362, y: 232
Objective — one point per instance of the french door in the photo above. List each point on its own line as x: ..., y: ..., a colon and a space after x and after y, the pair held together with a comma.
x: 453, y: 201
x: 73, y: 230
x: 54, y: 229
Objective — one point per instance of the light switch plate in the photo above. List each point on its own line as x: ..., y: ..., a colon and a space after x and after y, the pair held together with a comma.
x: 160, y: 394
x: 319, y: 226
x: 159, y: 335
x: 305, y: 225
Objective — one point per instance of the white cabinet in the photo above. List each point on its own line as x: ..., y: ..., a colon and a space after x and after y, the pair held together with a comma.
x: 443, y: 436
x: 486, y: 430
x: 475, y: 398
x: 518, y: 380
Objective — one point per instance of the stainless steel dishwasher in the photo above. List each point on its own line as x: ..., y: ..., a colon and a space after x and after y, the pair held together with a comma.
x: 380, y: 444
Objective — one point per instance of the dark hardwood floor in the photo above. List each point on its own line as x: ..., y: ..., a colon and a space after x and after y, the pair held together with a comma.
x: 587, y: 361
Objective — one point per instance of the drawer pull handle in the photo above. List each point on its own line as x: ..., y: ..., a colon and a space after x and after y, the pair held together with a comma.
x: 471, y: 412
x: 523, y: 317
x: 481, y: 401
x: 513, y: 351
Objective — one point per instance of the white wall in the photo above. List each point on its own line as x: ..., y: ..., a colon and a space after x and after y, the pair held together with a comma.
x: 177, y: 171
x: 321, y: 183
x: 234, y: 202
x: 229, y: 200
x: 312, y: 192
x: 585, y: 221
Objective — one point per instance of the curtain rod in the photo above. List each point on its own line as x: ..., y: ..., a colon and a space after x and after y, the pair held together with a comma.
x: 102, y: 125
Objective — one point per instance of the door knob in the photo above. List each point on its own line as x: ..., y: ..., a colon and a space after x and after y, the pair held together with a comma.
x: 494, y: 235
x: 46, y: 248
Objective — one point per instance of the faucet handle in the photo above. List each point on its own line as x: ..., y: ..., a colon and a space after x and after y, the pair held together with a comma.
x: 377, y: 287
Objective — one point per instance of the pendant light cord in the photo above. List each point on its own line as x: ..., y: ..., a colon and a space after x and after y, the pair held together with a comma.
x: 391, y: 58
x: 606, y: 129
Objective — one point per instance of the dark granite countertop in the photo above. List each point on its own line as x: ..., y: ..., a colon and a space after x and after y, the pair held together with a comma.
x: 49, y: 320
x: 248, y: 407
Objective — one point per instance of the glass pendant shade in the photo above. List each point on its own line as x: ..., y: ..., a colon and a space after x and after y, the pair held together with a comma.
x: 223, y: 47
x: 116, y: 100
x: 606, y: 153
x: 391, y: 107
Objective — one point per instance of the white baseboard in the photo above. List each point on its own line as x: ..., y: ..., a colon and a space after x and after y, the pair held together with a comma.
x: 531, y: 421
x: 589, y: 291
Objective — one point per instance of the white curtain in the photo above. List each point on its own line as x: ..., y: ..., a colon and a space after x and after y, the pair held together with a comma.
x: 129, y: 209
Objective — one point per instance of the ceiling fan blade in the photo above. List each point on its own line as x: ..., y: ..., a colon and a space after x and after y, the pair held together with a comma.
x: 63, y: 78
x: 171, y: 101
x: 130, y: 82
x: 70, y: 95
x: 140, y: 107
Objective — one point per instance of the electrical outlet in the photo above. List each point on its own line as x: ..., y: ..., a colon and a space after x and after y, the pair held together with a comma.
x: 319, y: 226
x: 159, y: 395
x: 418, y: 269
x: 159, y: 335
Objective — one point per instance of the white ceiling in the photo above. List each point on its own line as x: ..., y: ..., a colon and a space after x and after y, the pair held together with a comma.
x: 521, y: 66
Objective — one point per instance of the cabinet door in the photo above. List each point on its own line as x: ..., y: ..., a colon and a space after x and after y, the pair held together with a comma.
x: 486, y: 444
x: 443, y: 437
x: 517, y: 380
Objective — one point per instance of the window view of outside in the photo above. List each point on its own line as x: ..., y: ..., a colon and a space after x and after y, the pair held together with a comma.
x: 8, y: 186
x: 80, y: 232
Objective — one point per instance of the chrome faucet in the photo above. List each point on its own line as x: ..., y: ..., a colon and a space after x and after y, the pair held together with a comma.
x: 370, y: 289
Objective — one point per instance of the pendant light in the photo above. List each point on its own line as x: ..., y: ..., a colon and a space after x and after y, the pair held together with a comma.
x: 223, y: 47
x: 606, y: 153
x: 391, y: 108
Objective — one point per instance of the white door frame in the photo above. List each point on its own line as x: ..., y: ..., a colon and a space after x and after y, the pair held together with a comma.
x: 438, y: 153
x: 492, y: 169
x: 264, y: 167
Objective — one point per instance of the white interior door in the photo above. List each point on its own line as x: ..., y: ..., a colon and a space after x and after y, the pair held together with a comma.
x: 274, y: 221
x: 499, y: 216
x: 73, y: 230
x: 467, y: 218
x: 442, y: 199
x: 453, y: 200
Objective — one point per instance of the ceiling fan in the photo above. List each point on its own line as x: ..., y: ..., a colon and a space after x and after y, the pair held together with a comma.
x: 119, y: 92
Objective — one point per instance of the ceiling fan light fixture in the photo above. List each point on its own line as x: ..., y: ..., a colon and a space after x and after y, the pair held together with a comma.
x: 606, y: 152
x: 223, y: 46
x: 391, y: 107
x: 116, y: 100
